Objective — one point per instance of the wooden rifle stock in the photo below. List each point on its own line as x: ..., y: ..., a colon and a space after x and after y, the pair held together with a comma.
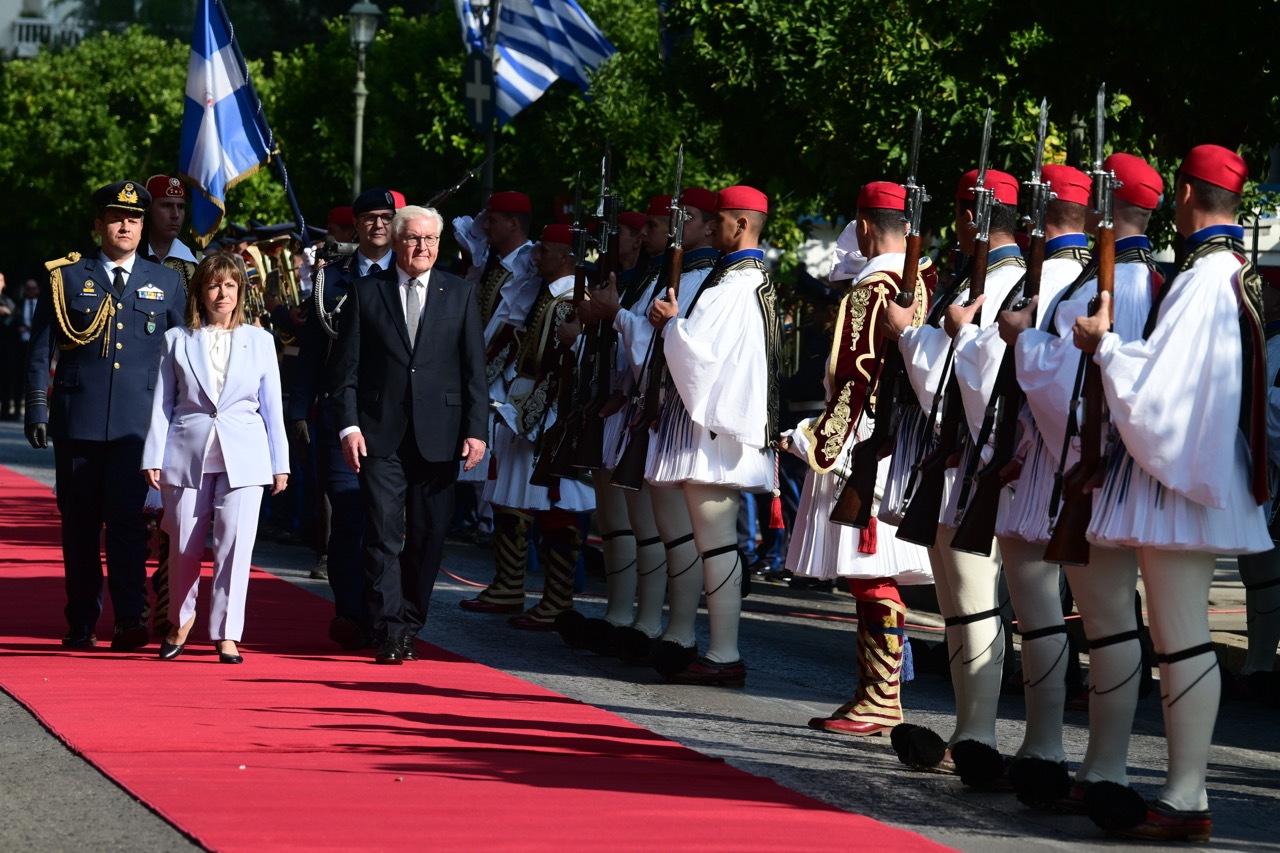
x: 924, y: 510
x: 629, y: 472
x: 599, y: 351
x: 1068, y: 543
x: 920, y: 520
x: 980, y: 492
x: 977, y: 524
x: 853, y: 504
x: 559, y: 442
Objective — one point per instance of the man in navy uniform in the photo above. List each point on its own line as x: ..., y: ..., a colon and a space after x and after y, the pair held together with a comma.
x: 106, y: 316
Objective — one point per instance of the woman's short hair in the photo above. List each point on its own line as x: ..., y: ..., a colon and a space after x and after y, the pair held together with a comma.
x: 216, y: 267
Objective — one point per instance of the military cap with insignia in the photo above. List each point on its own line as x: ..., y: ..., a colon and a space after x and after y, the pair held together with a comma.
x: 164, y: 185
x: 122, y: 195
x: 377, y: 199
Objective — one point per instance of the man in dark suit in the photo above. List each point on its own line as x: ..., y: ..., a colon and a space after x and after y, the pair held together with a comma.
x: 371, y: 214
x: 107, y: 315
x: 407, y: 377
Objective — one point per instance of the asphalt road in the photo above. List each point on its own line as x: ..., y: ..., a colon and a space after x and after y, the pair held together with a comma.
x: 801, y: 665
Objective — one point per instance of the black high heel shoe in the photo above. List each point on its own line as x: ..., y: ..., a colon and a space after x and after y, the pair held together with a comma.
x: 223, y: 657
x: 169, y: 651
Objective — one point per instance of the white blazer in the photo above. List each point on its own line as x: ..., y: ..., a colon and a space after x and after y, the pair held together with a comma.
x: 247, y: 416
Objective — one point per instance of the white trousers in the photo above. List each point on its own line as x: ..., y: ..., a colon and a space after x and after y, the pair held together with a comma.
x: 233, y: 515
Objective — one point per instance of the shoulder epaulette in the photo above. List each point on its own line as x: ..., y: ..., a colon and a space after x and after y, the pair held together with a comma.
x: 62, y: 262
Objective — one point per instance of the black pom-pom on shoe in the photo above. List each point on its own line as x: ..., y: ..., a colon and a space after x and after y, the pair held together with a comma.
x: 917, y: 746
x: 570, y: 625
x: 1040, y: 783
x: 980, y: 766
x: 669, y: 657
x: 632, y: 646
x: 1114, y: 807
x: 597, y: 635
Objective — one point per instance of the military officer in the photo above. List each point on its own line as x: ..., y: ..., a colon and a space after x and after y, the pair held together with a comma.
x: 106, y: 315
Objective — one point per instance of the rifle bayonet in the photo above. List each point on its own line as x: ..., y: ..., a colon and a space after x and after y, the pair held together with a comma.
x: 983, y: 196
x: 678, y: 216
x: 916, y: 195
x: 1041, y: 193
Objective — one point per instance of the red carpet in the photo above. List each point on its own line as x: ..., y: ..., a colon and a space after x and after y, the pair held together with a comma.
x: 299, y: 749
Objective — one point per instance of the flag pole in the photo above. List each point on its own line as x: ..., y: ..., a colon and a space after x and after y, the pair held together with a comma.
x: 262, y: 122
x: 489, y: 136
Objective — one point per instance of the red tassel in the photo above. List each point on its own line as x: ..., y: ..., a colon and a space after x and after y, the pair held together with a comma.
x: 775, y: 514
x: 775, y: 506
x: 867, y: 538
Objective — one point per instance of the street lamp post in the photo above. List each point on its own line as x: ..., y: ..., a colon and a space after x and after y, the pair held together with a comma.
x: 363, y: 18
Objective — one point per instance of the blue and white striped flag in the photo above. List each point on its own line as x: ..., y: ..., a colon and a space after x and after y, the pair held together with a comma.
x: 537, y: 43
x: 225, y: 138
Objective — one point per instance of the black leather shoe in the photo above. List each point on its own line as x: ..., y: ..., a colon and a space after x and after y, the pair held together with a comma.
x: 129, y: 637
x: 169, y: 651
x: 346, y: 633
x: 223, y: 657
x: 390, y: 652
x: 406, y: 648
x: 80, y: 638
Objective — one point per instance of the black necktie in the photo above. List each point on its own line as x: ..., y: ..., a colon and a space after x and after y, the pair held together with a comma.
x: 117, y: 280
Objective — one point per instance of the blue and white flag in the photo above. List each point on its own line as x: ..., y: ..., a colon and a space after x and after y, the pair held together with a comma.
x: 536, y: 43
x: 225, y: 138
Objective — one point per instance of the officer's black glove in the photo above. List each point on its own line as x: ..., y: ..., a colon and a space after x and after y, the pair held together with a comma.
x: 37, y: 435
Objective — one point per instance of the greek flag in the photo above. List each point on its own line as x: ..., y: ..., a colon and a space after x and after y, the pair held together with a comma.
x: 225, y: 137
x: 536, y: 43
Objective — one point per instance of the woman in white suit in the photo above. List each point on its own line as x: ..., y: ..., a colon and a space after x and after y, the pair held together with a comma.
x: 216, y: 439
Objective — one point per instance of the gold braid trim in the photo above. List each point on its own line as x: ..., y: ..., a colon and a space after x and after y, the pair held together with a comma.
x: 58, y: 298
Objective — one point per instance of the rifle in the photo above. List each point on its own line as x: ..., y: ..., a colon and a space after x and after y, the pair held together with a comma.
x: 556, y: 444
x: 1067, y: 542
x: 853, y: 504
x: 597, y: 361
x: 980, y: 491
x: 446, y: 194
x: 924, y: 505
x: 629, y: 472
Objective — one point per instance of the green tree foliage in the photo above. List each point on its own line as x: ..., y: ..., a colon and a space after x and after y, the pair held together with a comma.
x: 807, y: 99
x: 71, y: 121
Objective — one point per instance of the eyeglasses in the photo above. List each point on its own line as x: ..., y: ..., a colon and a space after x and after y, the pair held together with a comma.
x: 427, y: 240
x: 370, y: 218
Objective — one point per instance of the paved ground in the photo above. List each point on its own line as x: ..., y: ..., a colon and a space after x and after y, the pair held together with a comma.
x: 801, y: 665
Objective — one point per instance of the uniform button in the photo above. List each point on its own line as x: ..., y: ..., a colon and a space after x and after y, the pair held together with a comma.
x: 116, y: 365
x: 413, y: 370
x: 214, y: 415
x: 119, y: 345
x: 119, y: 325
x: 119, y: 306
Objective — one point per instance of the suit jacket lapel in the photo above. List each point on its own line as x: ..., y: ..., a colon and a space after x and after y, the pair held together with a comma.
x: 194, y: 349
x: 389, y: 284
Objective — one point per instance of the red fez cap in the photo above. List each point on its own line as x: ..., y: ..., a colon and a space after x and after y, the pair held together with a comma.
x: 699, y: 198
x: 557, y: 233
x: 398, y: 198
x: 342, y: 215
x: 1215, y: 165
x: 1141, y: 185
x: 1069, y: 183
x: 163, y: 186
x: 634, y: 221
x: 883, y: 194
x: 509, y: 202
x: 1005, y: 185
x: 743, y: 198
x: 659, y: 205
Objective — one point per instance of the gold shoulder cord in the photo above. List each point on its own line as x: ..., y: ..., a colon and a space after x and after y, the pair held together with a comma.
x: 59, y: 300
